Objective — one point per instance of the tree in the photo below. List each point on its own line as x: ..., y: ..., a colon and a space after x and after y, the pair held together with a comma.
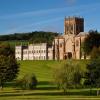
x: 8, y: 65
x: 95, y: 53
x: 6, y: 50
x: 93, y: 73
x: 8, y: 69
x: 68, y: 76
x: 36, y: 37
x: 92, y: 40
x: 29, y: 81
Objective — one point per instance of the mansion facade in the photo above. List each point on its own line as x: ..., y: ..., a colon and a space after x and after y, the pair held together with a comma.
x: 66, y: 46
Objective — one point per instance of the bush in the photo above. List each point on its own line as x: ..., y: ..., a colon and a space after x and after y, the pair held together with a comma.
x: 68, y: 76
x: 28, y: 82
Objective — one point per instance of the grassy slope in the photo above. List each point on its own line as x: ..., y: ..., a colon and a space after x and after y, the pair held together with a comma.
x: 43, y: 69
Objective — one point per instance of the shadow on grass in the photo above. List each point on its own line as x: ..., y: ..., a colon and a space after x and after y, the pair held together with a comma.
x: 46, y: 88
x: 51, y: 93
x: 45, y: 85
x: 10, y: 84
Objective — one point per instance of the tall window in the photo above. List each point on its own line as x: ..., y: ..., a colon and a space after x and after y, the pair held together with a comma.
x: 77, y: 43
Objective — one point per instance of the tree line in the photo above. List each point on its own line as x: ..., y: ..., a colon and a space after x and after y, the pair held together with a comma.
x: 35, y: 37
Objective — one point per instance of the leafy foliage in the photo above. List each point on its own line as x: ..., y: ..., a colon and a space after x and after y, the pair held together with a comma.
x: 95, y: 53
x: 68, y: 76
x: 28, y: 82
x: 93, y: 73
x: 36, y: 37
x: 6, y: 50
x: 8, y: 69
x: 8, y: 65
x: 91, y: 41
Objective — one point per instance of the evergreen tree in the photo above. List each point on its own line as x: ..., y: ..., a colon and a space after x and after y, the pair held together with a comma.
x: 8, y: 65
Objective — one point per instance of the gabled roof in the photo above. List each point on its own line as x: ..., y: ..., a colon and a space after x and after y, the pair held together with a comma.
x: 83, y: 34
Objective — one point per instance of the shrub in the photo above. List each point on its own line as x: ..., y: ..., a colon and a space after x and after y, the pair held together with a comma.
x: 29, y: 81
x: 68, y: 76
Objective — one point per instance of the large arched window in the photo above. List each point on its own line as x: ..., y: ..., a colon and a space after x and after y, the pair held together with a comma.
x: 77, y: 43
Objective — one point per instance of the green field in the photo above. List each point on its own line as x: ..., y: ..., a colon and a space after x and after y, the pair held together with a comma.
x: 44, y: 69
x: 46, y: 89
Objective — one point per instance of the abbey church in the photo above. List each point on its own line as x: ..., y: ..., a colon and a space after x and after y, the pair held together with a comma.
x: 69, y: 45
x: 66, y: 46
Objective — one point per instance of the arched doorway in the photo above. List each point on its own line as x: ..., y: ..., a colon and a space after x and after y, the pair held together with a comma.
x: 65, y: 57
x: 69, y: 55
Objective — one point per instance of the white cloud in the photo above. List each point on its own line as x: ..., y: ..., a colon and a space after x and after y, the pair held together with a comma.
x: 44, y: 12
x: 68, y: 11
x: 71, y: 2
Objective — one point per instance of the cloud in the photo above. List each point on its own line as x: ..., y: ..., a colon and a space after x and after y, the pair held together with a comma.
x: 31, y: 25
x: 79, y: 10
x: 71, y: 2
x: 34, y: 13
x: 50, y: 11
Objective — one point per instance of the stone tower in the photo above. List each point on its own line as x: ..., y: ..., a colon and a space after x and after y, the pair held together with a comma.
x: 73, y: 25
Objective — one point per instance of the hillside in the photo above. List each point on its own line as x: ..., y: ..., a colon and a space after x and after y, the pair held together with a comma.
x: 44, y: 69
x: 34, y: 37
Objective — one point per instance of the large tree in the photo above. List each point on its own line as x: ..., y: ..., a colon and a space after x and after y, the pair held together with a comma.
x: 68, y: 76
x: 6, y: 49
x: 93, y: 73
x: 92, y: 40
x: 8, y: 65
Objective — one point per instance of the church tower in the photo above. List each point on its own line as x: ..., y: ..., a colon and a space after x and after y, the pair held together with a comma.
x: 73, y: 25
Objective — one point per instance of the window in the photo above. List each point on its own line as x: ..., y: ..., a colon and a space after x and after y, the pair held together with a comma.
x: 61, y: 45
x: 77, y: 43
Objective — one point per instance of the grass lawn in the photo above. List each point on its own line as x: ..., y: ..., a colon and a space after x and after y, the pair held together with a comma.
x: 44, y: 69
x: 45, y: 90
x: 77, y: 94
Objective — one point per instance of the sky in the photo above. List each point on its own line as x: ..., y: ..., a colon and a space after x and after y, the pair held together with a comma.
x: 17, y: 16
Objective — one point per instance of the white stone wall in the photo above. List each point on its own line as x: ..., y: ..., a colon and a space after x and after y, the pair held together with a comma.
x: 56, y: 47
x: 25, y: 54
x: 40, y: 51
x: 50, y: 53
x: 18, y: 52
x: 32, y: 52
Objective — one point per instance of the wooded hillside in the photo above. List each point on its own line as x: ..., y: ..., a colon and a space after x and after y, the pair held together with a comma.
x: 35, y: 37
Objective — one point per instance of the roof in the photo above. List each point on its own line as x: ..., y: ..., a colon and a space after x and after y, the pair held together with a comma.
x: 83, y: 34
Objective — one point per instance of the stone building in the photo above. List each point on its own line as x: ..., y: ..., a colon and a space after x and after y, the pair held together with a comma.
x: 34, y: 52
x: 66, y: 46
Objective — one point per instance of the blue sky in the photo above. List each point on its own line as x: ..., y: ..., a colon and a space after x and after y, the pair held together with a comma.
x: 46, y: 15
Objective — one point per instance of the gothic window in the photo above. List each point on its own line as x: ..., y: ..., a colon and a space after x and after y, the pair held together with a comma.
x: 71, y: 27
x: 77, y: 43
x: 61, y: 45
